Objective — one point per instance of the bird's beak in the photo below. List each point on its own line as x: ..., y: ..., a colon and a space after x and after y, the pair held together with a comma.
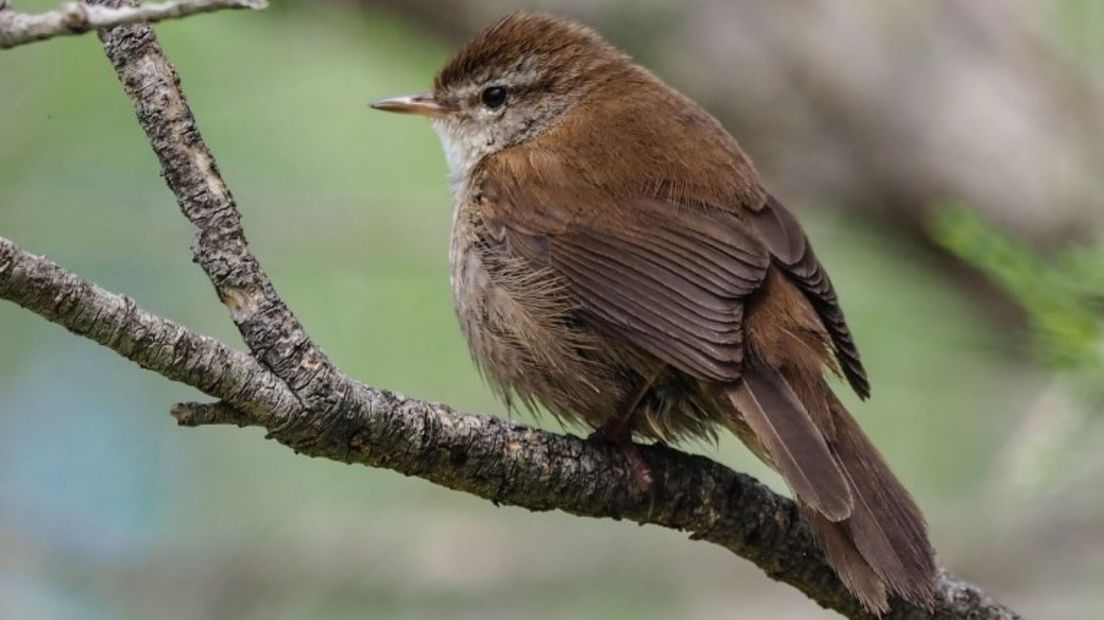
x: 425, y: 105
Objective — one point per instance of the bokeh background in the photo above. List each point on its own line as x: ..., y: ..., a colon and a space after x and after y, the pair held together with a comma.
x: 945, y: 156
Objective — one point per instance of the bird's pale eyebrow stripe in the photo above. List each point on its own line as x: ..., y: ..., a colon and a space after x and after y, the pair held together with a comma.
x: 519, y: 80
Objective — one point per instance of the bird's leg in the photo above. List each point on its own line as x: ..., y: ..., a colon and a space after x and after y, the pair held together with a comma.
x: 618, y: 431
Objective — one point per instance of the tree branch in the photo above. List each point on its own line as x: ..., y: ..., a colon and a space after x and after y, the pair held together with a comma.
x: 493, y: 458
x: 270, y: 330
x: 148, y: 340
x: 290, y: 388
x: 75, y: 18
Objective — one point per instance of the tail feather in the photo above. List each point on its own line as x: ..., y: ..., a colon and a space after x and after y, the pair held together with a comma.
x: 838, y: 544
x: 887, y: 526
x: 792, y: 440
x: 870, y: 529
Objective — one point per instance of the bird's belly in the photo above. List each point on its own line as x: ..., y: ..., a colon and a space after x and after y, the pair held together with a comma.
x: 523, y: 340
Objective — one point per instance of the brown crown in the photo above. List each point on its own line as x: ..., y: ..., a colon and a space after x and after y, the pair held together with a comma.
x: 560, y: 46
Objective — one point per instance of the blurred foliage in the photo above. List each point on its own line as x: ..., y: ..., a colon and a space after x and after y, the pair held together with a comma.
x: 1062, y: 296
x: 1078, y: 26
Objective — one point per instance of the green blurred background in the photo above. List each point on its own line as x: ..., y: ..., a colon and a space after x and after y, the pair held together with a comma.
x: 108, y: 510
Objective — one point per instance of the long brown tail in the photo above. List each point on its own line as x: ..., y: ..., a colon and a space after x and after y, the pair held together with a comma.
x: 879, y: 547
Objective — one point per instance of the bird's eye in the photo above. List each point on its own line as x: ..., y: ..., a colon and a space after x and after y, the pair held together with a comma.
x: 494, y: 97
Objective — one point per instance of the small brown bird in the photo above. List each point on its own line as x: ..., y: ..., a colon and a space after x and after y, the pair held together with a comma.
x: 616, y: 259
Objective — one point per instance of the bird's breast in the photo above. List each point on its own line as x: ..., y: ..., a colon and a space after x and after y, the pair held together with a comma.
x: 468, y: 277
x: 521, y: 331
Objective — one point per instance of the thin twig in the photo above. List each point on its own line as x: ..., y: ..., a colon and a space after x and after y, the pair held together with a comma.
x: 75, y: 18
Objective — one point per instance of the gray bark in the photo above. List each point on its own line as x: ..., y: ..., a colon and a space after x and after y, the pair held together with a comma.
x: 73, y: 18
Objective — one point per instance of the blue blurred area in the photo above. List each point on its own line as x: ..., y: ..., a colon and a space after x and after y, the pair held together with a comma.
x: 76, y: 471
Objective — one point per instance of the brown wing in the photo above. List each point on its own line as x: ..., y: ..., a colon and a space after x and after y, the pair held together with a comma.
x: 666, y: 277
x: 672, y: 279
x: 791, y: 250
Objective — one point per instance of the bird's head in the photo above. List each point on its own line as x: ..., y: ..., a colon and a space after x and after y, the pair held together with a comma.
x: 512, y: 82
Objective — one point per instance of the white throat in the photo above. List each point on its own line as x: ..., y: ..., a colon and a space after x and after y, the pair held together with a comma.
x: 463, y: 151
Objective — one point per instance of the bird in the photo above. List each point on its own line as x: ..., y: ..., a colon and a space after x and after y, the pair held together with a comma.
x: 617, y: 260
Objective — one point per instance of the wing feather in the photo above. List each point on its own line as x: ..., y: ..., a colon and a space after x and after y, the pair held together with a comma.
x: 669, y: 278
x: 660, y: 271
x: 791, y: 250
